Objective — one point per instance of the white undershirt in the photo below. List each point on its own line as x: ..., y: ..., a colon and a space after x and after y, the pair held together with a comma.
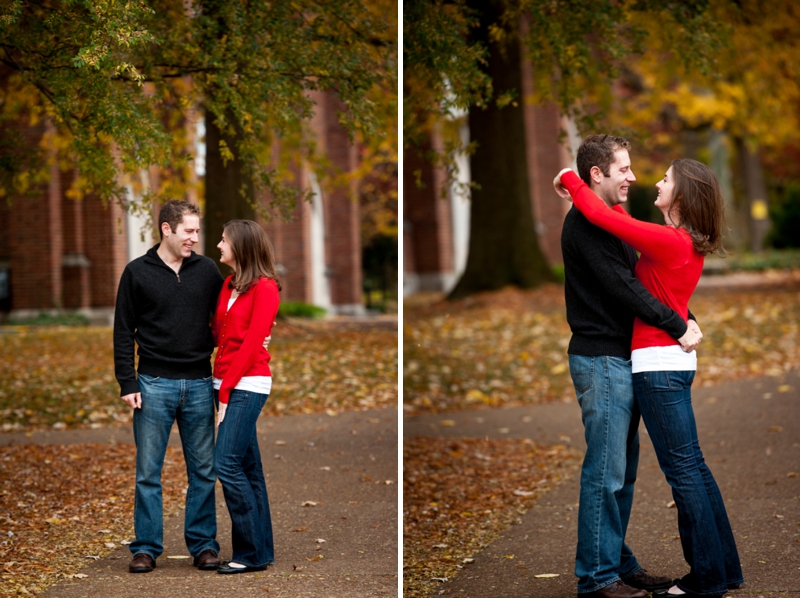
x: 258, y: 384
x: 663, y: 359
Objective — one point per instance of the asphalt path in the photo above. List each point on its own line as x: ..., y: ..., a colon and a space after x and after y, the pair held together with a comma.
x: 750, y: 436
x: 346, y: 465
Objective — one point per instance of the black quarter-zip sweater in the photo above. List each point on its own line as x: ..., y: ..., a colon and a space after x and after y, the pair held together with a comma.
x: 168, y: 316
x: 602, y: 293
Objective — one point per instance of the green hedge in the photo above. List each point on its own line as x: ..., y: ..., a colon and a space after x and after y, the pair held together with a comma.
x: 45, y: 319
x: 297, y: 309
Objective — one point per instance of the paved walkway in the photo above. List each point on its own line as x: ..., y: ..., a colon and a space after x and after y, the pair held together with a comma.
x: 750, y: 436
x: 356, y: 514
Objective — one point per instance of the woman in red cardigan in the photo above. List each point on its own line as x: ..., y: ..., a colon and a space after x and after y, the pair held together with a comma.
x: 671, y: 262
x: 246, y: 310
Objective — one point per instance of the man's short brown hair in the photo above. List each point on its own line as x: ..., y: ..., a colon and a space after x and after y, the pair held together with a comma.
x: 172, y: 213
x: 598, y: 150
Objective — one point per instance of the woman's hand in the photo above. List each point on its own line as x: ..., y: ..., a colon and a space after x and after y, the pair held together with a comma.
x: 560, y: 189
x: 221, y: 409
x: 691, y: 338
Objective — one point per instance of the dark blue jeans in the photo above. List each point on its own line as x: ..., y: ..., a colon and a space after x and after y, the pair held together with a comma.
x: 665, y: 400
x: 611, y: 426
x: 191, y: 404
x: 237, y: 461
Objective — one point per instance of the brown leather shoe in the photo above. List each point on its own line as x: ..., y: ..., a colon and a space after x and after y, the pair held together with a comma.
x: 207, y: 560
x: 616, y: 590
x: 644, y: 581
x: 142, y: 563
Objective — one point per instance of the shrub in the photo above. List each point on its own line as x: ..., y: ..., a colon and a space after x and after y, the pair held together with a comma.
x: 52, y: 319
x: 297, y: 309
x: 785, y: 215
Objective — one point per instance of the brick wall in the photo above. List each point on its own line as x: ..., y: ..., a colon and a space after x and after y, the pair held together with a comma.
x: 290, y: 241
x: 545, y: 160
x: 106, y: 248
x: 35, y: 239
x: 342, y: 211
x: 427, y: 217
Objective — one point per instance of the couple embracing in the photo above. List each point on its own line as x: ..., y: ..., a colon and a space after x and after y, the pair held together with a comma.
x: 632, y: 356
x: 174, y: 305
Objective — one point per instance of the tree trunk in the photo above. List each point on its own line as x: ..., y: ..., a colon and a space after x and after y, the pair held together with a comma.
x: 503, y: 245
x: 755, y: 194
x: 230, y: 193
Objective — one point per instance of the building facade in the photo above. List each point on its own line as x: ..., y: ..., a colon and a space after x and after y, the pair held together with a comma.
x: 57, y: 253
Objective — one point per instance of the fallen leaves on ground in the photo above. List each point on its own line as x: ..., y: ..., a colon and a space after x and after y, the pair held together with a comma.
x: 510, y: 347
x: 460, y: 494
x: 64, y: 377
x: 334, y: 370
x: 62, y: 505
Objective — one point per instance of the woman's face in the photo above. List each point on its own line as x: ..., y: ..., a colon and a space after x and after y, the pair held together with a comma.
x: 666, y: 188
x: 226, y: 252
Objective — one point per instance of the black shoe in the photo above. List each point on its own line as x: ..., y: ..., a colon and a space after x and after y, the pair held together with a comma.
x: 225, y: 568
x: 207, y: 560
x: 644, y: 581
x: 142, y: 563
x: 688, y: 594
x: 617, y: 589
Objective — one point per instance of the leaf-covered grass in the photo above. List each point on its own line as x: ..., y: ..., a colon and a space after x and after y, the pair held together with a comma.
x: 460, y: 494
x: 509, y: 347
x: 61, y: 506
x: 64, y: 377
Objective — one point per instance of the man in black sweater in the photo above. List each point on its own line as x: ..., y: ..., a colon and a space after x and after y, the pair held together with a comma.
x: 164, y: 304
x: 602, y: 297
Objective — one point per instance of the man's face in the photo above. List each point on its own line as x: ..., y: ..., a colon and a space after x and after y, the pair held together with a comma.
x: 182, y: 240
x: 613, y: 189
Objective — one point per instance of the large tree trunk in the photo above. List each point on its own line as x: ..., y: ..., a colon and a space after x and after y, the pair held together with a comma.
x: 229, y: 190
x: 503, y: 246
x: 755, y: 194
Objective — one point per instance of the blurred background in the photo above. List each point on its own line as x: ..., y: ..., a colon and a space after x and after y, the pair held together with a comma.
x: 498, y: 97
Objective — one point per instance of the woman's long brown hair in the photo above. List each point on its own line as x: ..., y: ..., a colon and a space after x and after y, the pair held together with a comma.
x: 253, y: 253
x: 698, y: 199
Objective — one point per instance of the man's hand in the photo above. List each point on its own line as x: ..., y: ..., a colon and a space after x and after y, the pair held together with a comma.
x: 560, y: 189
x: 269, y: 338
x: 221, y: 409
x: 134, y: 400
x: 691, y: 338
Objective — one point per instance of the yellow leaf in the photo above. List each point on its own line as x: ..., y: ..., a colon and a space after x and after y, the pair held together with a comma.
x: 559, y: 368
x: 784, y: 388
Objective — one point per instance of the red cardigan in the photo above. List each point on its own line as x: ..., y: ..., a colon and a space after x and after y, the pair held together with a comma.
x: 669, y: 266
x: 239, y: 333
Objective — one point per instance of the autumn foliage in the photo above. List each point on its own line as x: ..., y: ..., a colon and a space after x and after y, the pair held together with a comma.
x: 509, y: 348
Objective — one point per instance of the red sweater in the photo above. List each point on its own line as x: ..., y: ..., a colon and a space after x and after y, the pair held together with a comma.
x: 240, y: 332
x: 669, y: 266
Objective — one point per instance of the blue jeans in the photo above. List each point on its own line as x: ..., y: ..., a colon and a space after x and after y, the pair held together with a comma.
x: 611, y: 422
x: 237, y: 461
x: 665, y: 399
x: 191, y: 403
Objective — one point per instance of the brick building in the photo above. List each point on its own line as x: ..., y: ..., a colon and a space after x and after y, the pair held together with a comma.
x: 436, y: 223
x: 58, y: 253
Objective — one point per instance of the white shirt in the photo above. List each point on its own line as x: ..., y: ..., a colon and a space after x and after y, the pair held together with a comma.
x: 663, y: 359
